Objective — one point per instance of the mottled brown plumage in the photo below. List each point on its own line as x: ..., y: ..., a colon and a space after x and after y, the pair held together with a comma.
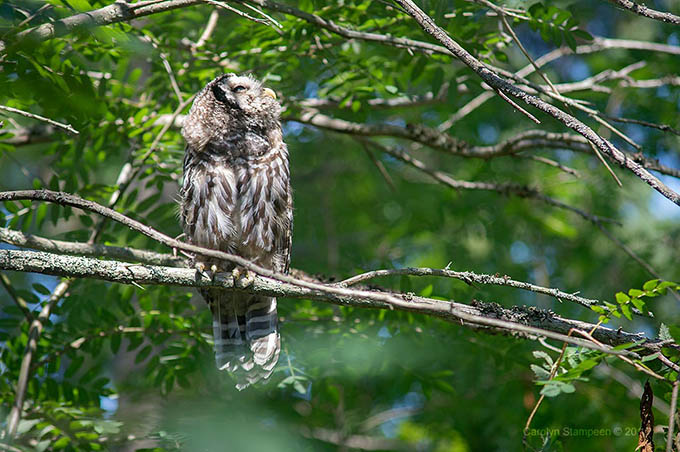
x: 236, y: 197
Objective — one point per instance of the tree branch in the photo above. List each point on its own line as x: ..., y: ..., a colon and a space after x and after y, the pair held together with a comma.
x: 25, y: 370
x: 119, y: 11
x: 527, y: 322
x: 469, y: 278
x: 494, y: 80
x: 18, y: 300
x: 514, y: 189
x: 441, y: 141
x: 647, y: 12
x: 18, y: 238
x: 66, y: 127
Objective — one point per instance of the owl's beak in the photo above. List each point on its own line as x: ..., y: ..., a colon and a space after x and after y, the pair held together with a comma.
x: 269, y: 92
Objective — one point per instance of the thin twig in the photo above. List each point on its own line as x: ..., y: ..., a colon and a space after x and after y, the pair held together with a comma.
x: 24, y: 372
x: 166, y: 65
x: 517, y: 190
x: 671, y: 416
x: 517, y: 107
x: 547, y: 80
x: 379, y: 165
x: 237, y: 11
x: 550, y: 162
x: 18, y: 299
x: 663, y: 127
x: 209, y: 29
x: 66, y: 127
x: 597, y: 45
x: 263, y: 14
x: 469, y: 278
x: 553, y: 372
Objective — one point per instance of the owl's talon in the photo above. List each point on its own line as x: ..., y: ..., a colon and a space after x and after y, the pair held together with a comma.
x: 241, y: 280
x: 213, y: 271
x: 248, y: 279
x: 200, y: 267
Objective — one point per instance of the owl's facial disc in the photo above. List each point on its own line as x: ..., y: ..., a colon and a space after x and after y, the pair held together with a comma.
x: 244, y: 93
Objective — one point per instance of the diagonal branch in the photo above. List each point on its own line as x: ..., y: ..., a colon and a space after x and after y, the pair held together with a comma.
x: 66, y: 127
x: 514, y: 189
x: 494, y: 80
x: 645, y: 11
x: 18, y: 299
x: 32, y: 345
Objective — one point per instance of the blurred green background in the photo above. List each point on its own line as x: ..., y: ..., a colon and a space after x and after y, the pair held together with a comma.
x: 122, y: 369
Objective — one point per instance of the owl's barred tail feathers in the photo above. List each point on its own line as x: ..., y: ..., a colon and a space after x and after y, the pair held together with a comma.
x: 245, y: 331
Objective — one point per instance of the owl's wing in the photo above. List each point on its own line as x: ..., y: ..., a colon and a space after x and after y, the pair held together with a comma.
x: 285, y: 245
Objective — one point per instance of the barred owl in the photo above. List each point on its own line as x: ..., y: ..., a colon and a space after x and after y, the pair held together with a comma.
x: 236, y: 197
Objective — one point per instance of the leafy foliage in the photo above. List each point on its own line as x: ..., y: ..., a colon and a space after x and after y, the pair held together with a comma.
x: 126, y: 366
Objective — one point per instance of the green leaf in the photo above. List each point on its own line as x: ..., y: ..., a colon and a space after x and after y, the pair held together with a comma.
x: 651, y: 284
x: 639, y: 304
x: 427, y: 291
x: 143, y: 354
x: 582, y: 34
x: 598, y: 309
x: 622, y: 298
x: 650, y: 357
x: 539, y: 354
x: 540, y: 372
x: 551, y: 390
x: 635, y: 293
x: 41, y: 289
x: 665, y: 285
x: 625, y: 309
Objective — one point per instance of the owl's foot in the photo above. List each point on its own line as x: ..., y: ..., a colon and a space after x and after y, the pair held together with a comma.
x: 200, y: 266
x: 242, y: 280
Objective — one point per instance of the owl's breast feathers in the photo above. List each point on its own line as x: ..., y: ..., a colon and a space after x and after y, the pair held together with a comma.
x: 239, y: 204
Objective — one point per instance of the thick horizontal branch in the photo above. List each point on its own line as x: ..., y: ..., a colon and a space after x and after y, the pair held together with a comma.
x: 128, y: 254
x: 527, y: 322
x: 18, y: 238
x: 435, y: 139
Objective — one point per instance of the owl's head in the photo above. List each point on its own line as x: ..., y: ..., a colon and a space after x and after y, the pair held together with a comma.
x: 244, y: 95
x: 229, y: 106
